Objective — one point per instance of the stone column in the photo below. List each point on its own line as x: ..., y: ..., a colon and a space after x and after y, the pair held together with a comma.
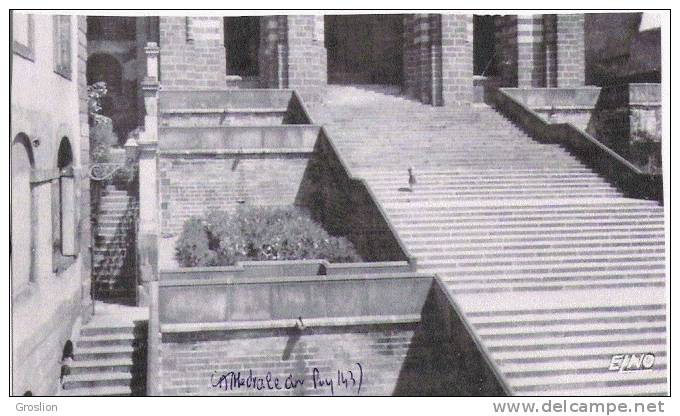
x: 306, y: 56
x: 550, y: 41
x: 456, y: 56
x: 194, y: 56
x: 272, y: 57
x: 530, y: 51
x: 571, y: 61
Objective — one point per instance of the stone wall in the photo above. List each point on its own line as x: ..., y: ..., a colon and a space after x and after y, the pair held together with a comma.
x: 192, y: 186
x: 193, y: 365
x: 192, y: 52
x: 49, y: 304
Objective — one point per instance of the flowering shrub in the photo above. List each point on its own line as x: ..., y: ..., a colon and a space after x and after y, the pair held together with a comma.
x: 258, y: 233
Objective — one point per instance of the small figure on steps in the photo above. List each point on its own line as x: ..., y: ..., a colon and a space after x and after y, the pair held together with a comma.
x: 299, y: 324
x: 411, y: 178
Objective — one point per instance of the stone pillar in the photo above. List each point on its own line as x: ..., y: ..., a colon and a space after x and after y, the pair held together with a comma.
x: 456, y: 56
x: 550, y: 47
x: 148, y: 233
x: 84, y: 145
x: 272, y: 58
x: 306, y: 57
x: 530, y: 51
x: 410, y: 59
x: 194, y: 56
x: 571, y: 61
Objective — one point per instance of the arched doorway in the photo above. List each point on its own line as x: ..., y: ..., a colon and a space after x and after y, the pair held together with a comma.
x: 364, y: 49
x: 21, y: 164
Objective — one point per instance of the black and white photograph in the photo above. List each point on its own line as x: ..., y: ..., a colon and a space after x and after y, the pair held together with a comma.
x: 340, y: 203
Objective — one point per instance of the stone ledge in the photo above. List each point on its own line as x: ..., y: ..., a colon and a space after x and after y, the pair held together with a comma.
x: 239, y: 152
x: 290, y: 323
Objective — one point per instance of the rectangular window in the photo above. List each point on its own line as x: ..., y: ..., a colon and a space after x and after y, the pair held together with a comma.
x: 62, y: 45
x: 22, y: 35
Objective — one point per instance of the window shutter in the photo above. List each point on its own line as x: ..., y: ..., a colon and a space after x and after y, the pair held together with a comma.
x: 68, y: 216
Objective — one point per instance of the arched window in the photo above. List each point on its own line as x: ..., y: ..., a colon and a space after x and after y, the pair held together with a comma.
x: 64, y: 204
x: 21, y: 164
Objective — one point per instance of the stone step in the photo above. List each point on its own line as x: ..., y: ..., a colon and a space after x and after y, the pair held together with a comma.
x: 467, y: 241
x: 573, y: 316
x: 123, y: 338
x: 90, y: 380
x: 511, y: 268
x: 570, y: 327
x: 516, y: 358
x: 483, y: 253
x: 104, y: 352
x: 110, y: 327
x: 457, y: 280
x: 574, y: 339
x: 510, y: 210
x: 99, y: 391
x: 594, y: 364
x: 539, y: 230
x: 106, y: 365
x: 581, y: 223
x: 414, y: 198
x: 430, y: 187
x: 632, y: 388
x: 604, y: 379
x: 402, y: 189
x: 453, y: 219
x: 508, y: 260
x: 539, y: 284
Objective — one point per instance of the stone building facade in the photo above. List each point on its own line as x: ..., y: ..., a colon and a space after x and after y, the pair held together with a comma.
x: 50, y: 218
x: 435, y: 58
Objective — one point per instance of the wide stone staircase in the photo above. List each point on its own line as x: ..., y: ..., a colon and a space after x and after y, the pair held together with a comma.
x: 110, y: 354
x: 114, y: 276
x: 554, y: 269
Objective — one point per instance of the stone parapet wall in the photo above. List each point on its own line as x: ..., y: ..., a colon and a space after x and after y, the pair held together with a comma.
x: 344, y: 324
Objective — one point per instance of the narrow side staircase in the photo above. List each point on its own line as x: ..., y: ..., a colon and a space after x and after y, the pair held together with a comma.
x: 114, y: 276
x: 110, y: 355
